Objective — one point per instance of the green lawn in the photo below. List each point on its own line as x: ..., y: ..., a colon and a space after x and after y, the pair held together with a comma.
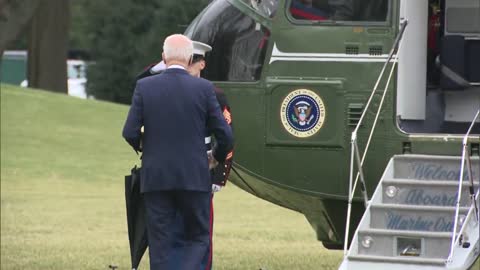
x: 62, y: 197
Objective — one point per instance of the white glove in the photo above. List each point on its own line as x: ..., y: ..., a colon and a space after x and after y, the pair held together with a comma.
x: 212, y: 162
x: 216, y: 188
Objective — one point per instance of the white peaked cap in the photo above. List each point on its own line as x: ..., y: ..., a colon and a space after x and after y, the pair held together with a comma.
x: 158, y: 67
x: 200, y: 48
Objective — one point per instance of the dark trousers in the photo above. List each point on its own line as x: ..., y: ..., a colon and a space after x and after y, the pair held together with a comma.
x: 178, y: 241
x: 208, y: 257
x: 163, y: 208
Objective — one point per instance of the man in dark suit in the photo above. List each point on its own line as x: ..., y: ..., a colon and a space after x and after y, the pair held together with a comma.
x: 176, y: 110
x: 220, y: 173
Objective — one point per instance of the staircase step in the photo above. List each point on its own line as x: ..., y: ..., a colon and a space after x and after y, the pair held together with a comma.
x: 424, y: 192
x: 413, y: 218
x: 404, y: 260
x: 408, y: 233
x: 410, y: 219
x: 380, y: 242
x: 426, y: 167
x: 432, y: 182
x: 419, y: 207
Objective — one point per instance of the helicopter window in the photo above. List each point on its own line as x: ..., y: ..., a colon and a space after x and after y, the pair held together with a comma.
x: 339, y: 10
x: 238, y: 43
x: 267, y: 8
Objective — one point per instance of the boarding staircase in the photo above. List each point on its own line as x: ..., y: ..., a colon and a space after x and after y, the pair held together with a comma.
x: 424, y: 212
x: 409, y: 221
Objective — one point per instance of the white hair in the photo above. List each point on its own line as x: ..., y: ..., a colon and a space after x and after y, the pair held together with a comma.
x: 181, y: 52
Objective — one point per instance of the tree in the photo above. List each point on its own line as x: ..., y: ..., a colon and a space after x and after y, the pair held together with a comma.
x: 47, y: 46
x: 78, y: 34
x: 125, y: 36
x: 47, y: 25
x: 14, y: 18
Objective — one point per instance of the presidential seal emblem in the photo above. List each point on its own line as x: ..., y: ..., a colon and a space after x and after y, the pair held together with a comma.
x: 302, y: 113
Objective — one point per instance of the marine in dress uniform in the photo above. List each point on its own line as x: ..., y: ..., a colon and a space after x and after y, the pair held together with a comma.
x: 221, y: 172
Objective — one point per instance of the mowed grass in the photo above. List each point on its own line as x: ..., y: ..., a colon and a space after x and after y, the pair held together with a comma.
x: 63, y: 163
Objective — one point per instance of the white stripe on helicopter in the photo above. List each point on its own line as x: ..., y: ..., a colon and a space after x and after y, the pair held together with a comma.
x: 278, y: 55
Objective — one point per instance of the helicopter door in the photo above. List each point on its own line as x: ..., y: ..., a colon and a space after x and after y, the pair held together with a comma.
x: 438, y: 79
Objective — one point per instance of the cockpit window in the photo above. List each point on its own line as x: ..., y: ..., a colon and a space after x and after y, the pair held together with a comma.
x: 267, y: 8
x: 339, y: 10
x: 238, y: 43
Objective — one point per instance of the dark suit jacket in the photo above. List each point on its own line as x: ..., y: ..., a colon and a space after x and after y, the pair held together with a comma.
x: 177, y: 110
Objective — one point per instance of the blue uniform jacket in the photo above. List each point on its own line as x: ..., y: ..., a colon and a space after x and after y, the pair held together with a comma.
x: 176, y: 110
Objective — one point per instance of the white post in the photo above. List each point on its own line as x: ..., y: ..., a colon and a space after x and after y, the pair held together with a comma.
x: 412, y: 64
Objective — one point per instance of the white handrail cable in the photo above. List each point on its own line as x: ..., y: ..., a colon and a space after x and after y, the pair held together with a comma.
x: 467, y: 219
x: 370, y: 136
x: 460, y: 184
x: 403, y: 26
x: 354, y: 146
x: 469, y: 166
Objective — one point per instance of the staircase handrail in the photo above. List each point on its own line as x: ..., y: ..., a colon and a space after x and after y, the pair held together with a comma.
x: 354, y: 152
x: 467, y: 218
x: 474, y: 205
